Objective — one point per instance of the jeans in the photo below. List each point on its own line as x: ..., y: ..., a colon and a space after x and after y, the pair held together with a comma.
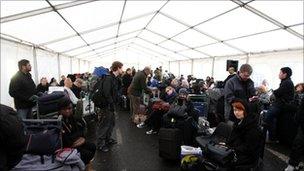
x: 297, y: 148
x: 270, y: 118
x: 25, y: 113
x: 105, y: 127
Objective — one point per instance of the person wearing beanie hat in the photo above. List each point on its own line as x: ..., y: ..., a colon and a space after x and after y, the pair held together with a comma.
x: 284, y: 98
x: 245, y: 138
x: 73, y: 132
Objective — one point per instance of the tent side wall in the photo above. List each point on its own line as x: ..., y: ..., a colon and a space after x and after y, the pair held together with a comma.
x: 44, y: 64
x: 265, y: 66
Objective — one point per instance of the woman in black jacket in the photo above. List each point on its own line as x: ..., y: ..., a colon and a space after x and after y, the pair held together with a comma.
x: 246, y: 138
x: 73, y: 133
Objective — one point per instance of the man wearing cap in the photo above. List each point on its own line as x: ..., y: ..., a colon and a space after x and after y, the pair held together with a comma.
x: 284, y: 95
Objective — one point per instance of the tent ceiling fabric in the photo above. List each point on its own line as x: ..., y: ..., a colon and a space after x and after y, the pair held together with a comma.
x: 160, y: 30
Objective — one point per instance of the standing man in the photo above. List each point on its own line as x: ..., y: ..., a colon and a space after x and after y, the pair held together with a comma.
x: 109, y: 88
x: 284, y: 97
x: 239, y: 86
x: 232, y: 73
x: 23, y: 89
x: 138, y: 85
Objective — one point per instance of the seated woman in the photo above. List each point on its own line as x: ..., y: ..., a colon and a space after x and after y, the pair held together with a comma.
x: 67, y: 88
x: 245, y: 138
x: 73, y: 133
x: 154, y: 120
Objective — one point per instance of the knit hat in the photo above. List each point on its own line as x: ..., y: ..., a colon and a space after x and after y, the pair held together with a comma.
x: 287, y: 70
x: 183, y: 91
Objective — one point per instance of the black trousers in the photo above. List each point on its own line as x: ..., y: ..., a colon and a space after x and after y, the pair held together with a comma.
x: 297, y: 148
x: 156, y: 119
x: 87, y: 152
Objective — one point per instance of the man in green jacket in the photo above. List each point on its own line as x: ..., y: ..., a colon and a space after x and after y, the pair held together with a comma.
x: 138, y: 85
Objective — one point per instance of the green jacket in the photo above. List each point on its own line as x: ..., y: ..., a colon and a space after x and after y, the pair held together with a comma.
x: 139, y: 84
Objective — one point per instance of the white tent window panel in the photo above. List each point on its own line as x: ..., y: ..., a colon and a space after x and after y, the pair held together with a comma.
x: 193, y: 38
x: 299, y: 29
x: 75, y: 65
x: 236, y: 23
x: 196, y: 11
x: 193, y: 54
x: 100, y: 34
x: 11, y: 53
x: 65, y: 65
x: 172, y: 45
x: 185, y: 68
x: 286, y: 12
x: 202, y: 68
x: 147, y: 52
x: 267, y: 66
x: 47, y: 65
x: 174, y: 68
x: 78, y: 51
x: 66, y: 44
x: 93, y: 14
x: 275, y: 40
x: 16, y: 7
x: 151, y: 37
x: 132, y: 8
x: 38, y: 29
x: 90, y: 53
x: 218, y: 49
x: 136, y: 24
x: 165, y: 26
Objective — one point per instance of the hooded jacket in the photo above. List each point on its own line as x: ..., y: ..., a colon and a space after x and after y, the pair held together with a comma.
x: 246, y: 138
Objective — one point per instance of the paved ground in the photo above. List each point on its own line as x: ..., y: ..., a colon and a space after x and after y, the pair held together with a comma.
x: 137, y: 151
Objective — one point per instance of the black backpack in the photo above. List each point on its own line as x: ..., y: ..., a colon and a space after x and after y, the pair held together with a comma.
x: 97, y: 94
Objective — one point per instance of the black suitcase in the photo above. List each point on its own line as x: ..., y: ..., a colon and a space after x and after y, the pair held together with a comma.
x: 170, y: 141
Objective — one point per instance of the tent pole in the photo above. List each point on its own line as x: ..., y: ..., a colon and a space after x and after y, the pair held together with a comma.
x: 35, y: 64
x: 58, y: 65
x: 212, y: 71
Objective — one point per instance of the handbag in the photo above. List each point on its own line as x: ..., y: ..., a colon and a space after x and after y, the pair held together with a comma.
x: 44, y: 142
x: 160, y: 105
x: 220, y: 154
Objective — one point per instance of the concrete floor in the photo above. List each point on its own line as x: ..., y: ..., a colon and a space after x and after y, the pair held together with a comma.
x: 136, y: 151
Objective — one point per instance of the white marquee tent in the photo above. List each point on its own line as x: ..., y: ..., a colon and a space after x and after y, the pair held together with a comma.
x: 185, y: 37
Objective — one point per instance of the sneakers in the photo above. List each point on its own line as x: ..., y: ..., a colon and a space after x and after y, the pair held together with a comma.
x: 151, y: 132
x: 291, y: 168
x: 141, y: 125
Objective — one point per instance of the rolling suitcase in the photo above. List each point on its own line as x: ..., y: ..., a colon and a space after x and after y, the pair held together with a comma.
x: 170, y: 141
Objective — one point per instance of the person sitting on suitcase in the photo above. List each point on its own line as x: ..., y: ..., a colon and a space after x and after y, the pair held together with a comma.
x: 73, y: 132
x: 245, y: 138
x: 156, y: 115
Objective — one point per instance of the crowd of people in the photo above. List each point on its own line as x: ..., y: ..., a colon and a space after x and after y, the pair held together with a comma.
x: 237, y: 103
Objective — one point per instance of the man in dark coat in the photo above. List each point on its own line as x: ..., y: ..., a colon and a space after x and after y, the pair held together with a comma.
x: 239, y: 86
x: 136, y: 89
x: 245, y: 138
x: 126, y: 80
x: 110, y: 98
x: 23, y: 89
x: 284, y: 96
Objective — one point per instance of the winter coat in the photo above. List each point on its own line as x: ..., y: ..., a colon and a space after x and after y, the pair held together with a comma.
x: 285, y: 93
x: 126, y: 81
x: 72, y: 130
x: 42, y: 89
x: 246, y: 139
x: 12, y: 138
x: 21, y: 88
x: 139, y: 84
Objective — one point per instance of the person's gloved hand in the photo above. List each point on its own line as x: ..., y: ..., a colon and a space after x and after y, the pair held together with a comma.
x: 33, y: 98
